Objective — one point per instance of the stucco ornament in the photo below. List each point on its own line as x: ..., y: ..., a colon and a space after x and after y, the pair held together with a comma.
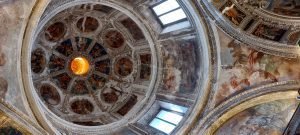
x: 255, y: 3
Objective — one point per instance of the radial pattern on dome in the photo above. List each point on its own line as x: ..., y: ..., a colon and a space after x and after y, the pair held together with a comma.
x: 91, y: 65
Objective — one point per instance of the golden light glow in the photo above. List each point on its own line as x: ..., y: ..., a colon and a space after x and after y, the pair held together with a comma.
x: 80, y: 66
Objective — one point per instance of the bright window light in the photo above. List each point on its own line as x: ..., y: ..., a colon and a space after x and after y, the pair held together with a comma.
x: 173, y: 107
x: 166, y: 7
x: 169, y: 12
x: 169, y: 116
x: 166, y: 120
x: 162, y: 125
x: 172, y: 16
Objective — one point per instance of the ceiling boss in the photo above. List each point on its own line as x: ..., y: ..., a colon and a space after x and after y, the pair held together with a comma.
x: 80, y: 66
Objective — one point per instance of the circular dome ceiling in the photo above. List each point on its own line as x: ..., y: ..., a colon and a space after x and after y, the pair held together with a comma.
x: 88, y: 63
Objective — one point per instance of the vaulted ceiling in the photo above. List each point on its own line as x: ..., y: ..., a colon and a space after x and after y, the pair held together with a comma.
x: 117, y: 66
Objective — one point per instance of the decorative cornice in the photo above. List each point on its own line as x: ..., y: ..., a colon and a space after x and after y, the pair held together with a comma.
x: 23, y: 120
x: 210, y: 71
x: 212, y: 121
x: 266, y: 46
x: 54, y: 122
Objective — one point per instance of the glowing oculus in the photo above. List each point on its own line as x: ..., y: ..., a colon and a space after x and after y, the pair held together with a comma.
x: 80, y: 66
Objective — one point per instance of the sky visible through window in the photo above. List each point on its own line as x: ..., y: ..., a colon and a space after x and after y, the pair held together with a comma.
x: 169, y: 12
x: 166, y: 121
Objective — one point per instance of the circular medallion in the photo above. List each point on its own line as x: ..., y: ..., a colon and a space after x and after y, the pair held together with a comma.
x: 82, y: 107
x: 55, y: 31
x: 38, y: 60
x: 114, y: 39
x: 124, y: 67
x: 50, y: 94
x: 87, y: 24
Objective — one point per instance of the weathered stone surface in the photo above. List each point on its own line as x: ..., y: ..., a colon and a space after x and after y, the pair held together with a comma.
x: 13, y: 20
x: 3, y: 87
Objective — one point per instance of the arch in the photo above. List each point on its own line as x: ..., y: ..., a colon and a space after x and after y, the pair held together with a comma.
x: 282, y: 90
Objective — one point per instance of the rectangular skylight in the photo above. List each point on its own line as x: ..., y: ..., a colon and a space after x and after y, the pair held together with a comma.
x: 172, y: 16
x: 167, y: 119
x: 165, y: 7
x: 173, y: 107
x: 162, y: 125
x: 169, y: 12
x: 169, y: 116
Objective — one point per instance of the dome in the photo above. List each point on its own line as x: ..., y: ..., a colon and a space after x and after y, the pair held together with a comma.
x: 98, y: 65
x: 157, y: 67
x: 92, y: 65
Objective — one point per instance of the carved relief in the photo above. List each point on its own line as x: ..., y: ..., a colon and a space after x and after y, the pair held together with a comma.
x: 50, y: 94
x: 110, y: 95
x: 82, y: 43
x: 102, y: 8
x: 79, y: 88
x: 56, y: 63
x: 55, y: 32
x: 255, y: 3
x: 123, y: 67
x: 114, y: 39
x: 287, y: 7
x: 127, y: 107
x: 97, y: 93
x: 87, y: 24
x: 38, y: 61
x: 97, y: 82
x: 103, y: 66
x: 133, y: 29
x: 82, y: 106
x: 235, y: 15
x: 65, y: 48
x: 269, y: 32
x: 62, y: 80
x: 97, y: 51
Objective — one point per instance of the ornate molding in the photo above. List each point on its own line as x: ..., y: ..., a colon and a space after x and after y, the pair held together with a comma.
x: 22, y: 120
x: 266, y: 46
x: 207, y: 81
x: 254, y: 3
x: 236, y: 104
x: 55, y: 123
